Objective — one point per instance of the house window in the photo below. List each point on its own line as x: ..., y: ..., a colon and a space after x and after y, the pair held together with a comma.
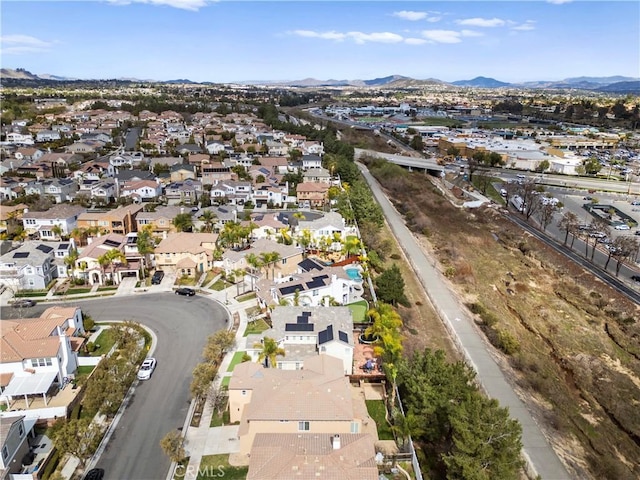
x: 20, y: 430
x: 354, y: 427
x: 5, y: 453
x: 49, y: 362
x: 297, y: 365
x: 30, y: 221
x: 303, y: 426
x: 315, y: 293
x: 284, y: 260
x: 243, y: 392
x: 323, y: 349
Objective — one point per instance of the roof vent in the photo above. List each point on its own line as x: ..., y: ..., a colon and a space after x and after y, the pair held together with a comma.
x: 336, y: 442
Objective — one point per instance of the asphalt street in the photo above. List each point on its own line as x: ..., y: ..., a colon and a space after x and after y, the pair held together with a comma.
x: 158, y: 405
x: 536, y: 448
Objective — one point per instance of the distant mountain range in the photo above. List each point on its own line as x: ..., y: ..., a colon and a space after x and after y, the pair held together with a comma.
x: 612, y: 84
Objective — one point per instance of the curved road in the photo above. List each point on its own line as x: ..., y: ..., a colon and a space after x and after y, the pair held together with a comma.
x: 158, y: 405
x: 541, y: 456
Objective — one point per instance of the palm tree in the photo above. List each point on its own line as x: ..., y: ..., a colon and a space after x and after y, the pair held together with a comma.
x: 352, y: 246
x: 57, y: 230
x: 270, y: 352
x: 270, y: 258
x: 254, y: 262
x: 110, y: 258
x: 146, y: 245
x: 304, y: 239
x: 183, y: 222
x: 208, y: 217
x: 79, y: 235
x: 70, y: 261
x: 285, y: 236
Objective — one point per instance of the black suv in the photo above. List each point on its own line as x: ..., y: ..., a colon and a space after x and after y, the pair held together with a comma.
x: 95, y: 474
x: 157, y: 277
x: 187, y: 292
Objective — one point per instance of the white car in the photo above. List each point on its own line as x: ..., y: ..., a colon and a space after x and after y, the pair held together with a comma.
x: 622, y: 226
x: 146, y: 369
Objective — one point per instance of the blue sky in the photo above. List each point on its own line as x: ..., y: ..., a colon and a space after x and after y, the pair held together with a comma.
x: 229, y: 41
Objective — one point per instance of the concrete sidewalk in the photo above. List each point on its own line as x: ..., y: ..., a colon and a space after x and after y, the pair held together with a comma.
x: 206, y: 440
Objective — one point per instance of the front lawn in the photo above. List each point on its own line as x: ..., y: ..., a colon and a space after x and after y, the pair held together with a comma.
x: 246, y: 296
x: 217, y: 466
x: 256, y: 327
x: 377, y: 410
x: 237, y: 358
x: 103, y: 343
x: 219, y: 285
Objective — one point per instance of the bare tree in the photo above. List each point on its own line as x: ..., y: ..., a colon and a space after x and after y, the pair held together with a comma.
x: 601, y: 229
x: 627, y: 248
x: 530, y: 193
x: 547, y: 211
x: 172, y: 445
x: 569, y: 223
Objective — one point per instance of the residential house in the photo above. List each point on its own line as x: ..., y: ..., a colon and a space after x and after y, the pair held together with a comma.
x: 61, y: 160
x: 14, y: 444
x: 11, y: 164
x: 198, y: 159
x: 103, y: 191
x: 123, y: 176
x: 160, y: 220
x: 94, y: 171
x: 282, y: 456
x: 168, y: 161
x: 307, y: 331
x: 186, y: 254
x: 48, y: 136
x: 277, y: 149
x: 277, y: 165
x: 60, y: 189
x: 180, y: 172
x: 19, y: 138
x: 187, y: 192
x: 11, y: 216
x: 213, y: 173
x: 215, y: 147
x: 188, y: 148
x: 311, y: 161
x: 328, y: 228
x: 88, y: 265
x: 39, y: 352
x: 96, y: 136
x: 310, y: 286
x: 316, y: 400
x: 312, y: 194
x: 316, y: 175
x: 121, y: 221
x: 126, y: 160
x: 266, y: 195
x: 235, y: 192
x: 31, y: 266
x: 64, y: 216
x: 289, y: 257
x: 87, y: 146
x: 142, y: 190
x: 10, y: 188
x: 29, y: 153
x: 313, y: 148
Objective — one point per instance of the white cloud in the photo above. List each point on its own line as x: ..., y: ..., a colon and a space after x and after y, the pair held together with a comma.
x: 324, y: 35
x: 481, y: 22
x: 442, y: 36
x: 19, y: 44
x: 379, y: 37
x: 192, y: 5
x: 434, y: 19
x: 471, y: 33
x: 415, y: 41
x: 559, y: 2
x: 410, y: 15
x: 358, y: 37
x: 526, y: 26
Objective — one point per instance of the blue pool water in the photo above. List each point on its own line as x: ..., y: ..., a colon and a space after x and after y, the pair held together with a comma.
x: 354, y: 273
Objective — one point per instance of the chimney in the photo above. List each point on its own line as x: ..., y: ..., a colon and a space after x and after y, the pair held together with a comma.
x: 336, y: 442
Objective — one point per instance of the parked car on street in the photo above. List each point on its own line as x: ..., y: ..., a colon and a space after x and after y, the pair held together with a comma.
x: 622, y: 226
x: 95, y: 474
x: 188, y: 292
x: 635, y: 278
x: 23, y: 303
x: 146, y: 369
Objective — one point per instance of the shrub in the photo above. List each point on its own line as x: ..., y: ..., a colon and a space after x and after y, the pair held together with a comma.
x: 91, y: 347
x: 87, y: 322
x: 507, y: 342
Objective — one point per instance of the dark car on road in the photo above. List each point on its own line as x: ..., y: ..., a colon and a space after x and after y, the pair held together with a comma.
x: 23, y: 303
x: 95, y: 474
x: 635, y: 278
x: 188, y: 292
x: 157, y: 277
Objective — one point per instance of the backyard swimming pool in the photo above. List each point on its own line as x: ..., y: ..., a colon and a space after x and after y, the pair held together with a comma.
x: 354, y: 274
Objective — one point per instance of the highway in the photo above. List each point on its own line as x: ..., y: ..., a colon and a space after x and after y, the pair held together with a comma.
x: 536, y: 449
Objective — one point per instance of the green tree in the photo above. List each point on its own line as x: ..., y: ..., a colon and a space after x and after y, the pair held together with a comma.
x: 270, y: 351
x: 270, y: 259
x: 172, y: 445
x: 208, y: 217
x: 146, y: 245
x: 591, y: 166
x: 416, y: 143
x: 203, y: 375
x: 78, y: 437
x: 569, y: 224
x: 217, y: 344
x: 183, y: 222
x: 486, y: 442
x: 543, y: 166
x: 390, y: 286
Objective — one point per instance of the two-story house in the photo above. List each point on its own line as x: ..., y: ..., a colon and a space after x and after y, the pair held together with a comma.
x: 186, y: 254
x: 60, y: 189
x: 316, y: 400
x: 312, y: 194
x: 317, y: 175
x: 311, y: 161
x: 48, y: 135
x: 39, y: 352
x: 160, y: 221
x: 30, y: 266
x: 236, y: 192
x: 213, y: 173
x: 186, y: 192
x: 44, y: 224
x: 288, y: 258
x: 13, y: 444
x: 121, y: 221
x: 307, y: 331
x: 142, y: 190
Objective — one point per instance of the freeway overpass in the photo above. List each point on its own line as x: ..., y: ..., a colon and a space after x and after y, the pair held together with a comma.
x: 412, y: 162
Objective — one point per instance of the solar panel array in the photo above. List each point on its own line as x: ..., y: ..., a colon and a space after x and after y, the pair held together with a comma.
x: 21, y: 255
x: 44, y: 248
x: 317, y: 281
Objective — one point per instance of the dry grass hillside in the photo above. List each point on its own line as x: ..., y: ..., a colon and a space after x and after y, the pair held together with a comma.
x: 570, y: 343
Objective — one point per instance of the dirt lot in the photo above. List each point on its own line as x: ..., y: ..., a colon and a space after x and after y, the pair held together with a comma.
x: 570, y: 343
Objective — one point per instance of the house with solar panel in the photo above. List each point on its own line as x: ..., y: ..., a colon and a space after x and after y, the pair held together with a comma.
x: 304, y: 332
x: 33, y: 265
